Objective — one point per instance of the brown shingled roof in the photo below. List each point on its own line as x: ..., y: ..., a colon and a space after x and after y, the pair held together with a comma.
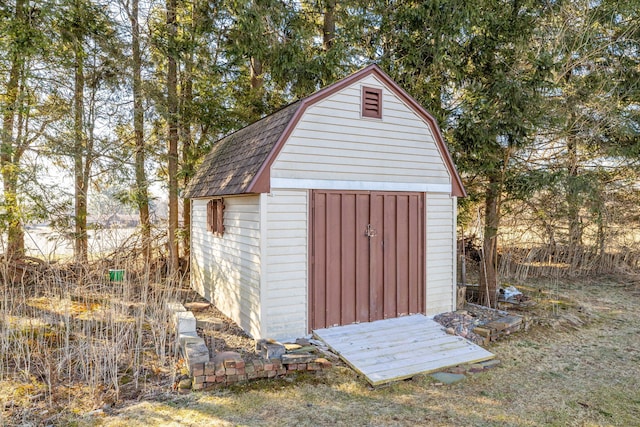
x: 233, y: 162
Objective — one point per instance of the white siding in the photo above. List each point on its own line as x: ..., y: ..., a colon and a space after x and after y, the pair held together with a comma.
x: 285, y: 299
x: 333, y: 143
x: 226, y: 270
x: 441, y: 246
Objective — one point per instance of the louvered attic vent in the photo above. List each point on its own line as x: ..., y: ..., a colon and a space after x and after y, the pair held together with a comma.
x: 371, y: 102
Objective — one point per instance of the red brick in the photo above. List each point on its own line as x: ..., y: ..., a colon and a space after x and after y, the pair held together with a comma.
x: 199, y: 386
x: 199, y: 379
x: 209, y: 368
x: 197, y: 369
x: 220, y: 378
x: 269, y: 367
x: 242, y: 378
x: 240, y: 371
x: 302, y: 366
x: 231, y: 371
x: 277, y: 364
x: 231, y: 363
x: 292, y: 366
x: 258, y: 365
x: 252, y: 375
x: 220, y: 372
x: 313, y: 366
x: 210, y: 378
x: 240, y: 364
x: 249, y: 368
x: 232, y: 379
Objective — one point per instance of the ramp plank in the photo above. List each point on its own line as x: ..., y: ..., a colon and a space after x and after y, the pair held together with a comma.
x: 395, y: 349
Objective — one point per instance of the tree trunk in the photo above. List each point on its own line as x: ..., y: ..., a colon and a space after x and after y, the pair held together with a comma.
x: 329, y: 25
x: 256, y: 74
x: 488, y: 270
x: 187, y: 138
x: 573, y: 200
x: 172, y: 120
x: 9, y: 156
x: 142, y: 192
x: 80, y: 210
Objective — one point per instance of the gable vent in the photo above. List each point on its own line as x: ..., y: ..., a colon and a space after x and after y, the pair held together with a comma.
x: 371, y: 102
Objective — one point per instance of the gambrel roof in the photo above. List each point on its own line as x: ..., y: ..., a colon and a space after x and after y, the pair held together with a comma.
x: 240, y: 162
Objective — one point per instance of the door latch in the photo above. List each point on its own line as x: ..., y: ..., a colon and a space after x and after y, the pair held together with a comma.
x: 370, y: 231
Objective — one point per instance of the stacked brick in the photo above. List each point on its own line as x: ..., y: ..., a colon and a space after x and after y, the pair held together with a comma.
x: 229, y: 368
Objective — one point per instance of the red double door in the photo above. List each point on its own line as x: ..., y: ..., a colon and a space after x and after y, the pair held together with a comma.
x: 366, y: 256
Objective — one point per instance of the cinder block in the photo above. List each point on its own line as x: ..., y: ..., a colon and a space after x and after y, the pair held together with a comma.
x: 185, y: 322
x: 188, y: 337
x: 175, y: 306
x: 196, y: 353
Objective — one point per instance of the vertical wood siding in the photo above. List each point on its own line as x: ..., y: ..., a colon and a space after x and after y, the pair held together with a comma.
x: 332, y: 142
x: 226, y: 269
x: 440, y: 253
x: 285, y: 310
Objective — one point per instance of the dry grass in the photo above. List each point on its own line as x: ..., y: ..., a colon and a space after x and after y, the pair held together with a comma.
x: 560, y: 375
x: 72, y: 341
x: 80, y: 350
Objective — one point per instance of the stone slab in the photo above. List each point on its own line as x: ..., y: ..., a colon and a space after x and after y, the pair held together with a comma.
x: 297, y: 358
x: 447, y: 378
x: 209, y: 322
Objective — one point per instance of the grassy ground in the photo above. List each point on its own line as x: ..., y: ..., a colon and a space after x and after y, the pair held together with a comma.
x: 556, y: 374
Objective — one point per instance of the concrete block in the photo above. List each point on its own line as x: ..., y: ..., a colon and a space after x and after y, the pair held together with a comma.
x: 175, y: 306
x: 185, y: 321
x: 195, y: 353
x: 188, y: 337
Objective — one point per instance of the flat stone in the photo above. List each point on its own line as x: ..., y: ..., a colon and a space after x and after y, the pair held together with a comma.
x: 209, y: 322
x: 447, y: 378
x: 197, y: 306
x: 297, y: 358
x: 184, y: 384
x: 291, y: 347
x: 490, y: 363
x: 303, y: 341
x: 504, y: 322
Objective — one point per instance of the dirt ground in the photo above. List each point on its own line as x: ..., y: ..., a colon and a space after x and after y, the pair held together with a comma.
x: 580, y: 366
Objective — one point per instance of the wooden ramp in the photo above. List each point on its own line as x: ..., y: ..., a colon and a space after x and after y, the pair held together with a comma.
x: 396, y: 349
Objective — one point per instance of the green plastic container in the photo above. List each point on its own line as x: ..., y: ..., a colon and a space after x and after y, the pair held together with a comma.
x: 116, y: 275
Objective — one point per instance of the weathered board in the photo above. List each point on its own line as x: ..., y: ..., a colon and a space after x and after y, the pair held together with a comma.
x: 399, y: 348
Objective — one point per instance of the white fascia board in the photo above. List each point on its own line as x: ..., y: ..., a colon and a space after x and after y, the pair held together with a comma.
x: 322, y: 184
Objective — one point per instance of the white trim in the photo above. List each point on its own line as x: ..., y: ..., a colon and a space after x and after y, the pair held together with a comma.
x: 425, y: 218
x: 263, y: 201
x: 454, y: 306
x: 322, y: 184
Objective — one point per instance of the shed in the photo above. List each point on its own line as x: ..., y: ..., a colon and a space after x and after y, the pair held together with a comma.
x: 339, y: 208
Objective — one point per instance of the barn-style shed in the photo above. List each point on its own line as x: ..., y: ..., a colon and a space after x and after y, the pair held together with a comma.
x: 339, y: 208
